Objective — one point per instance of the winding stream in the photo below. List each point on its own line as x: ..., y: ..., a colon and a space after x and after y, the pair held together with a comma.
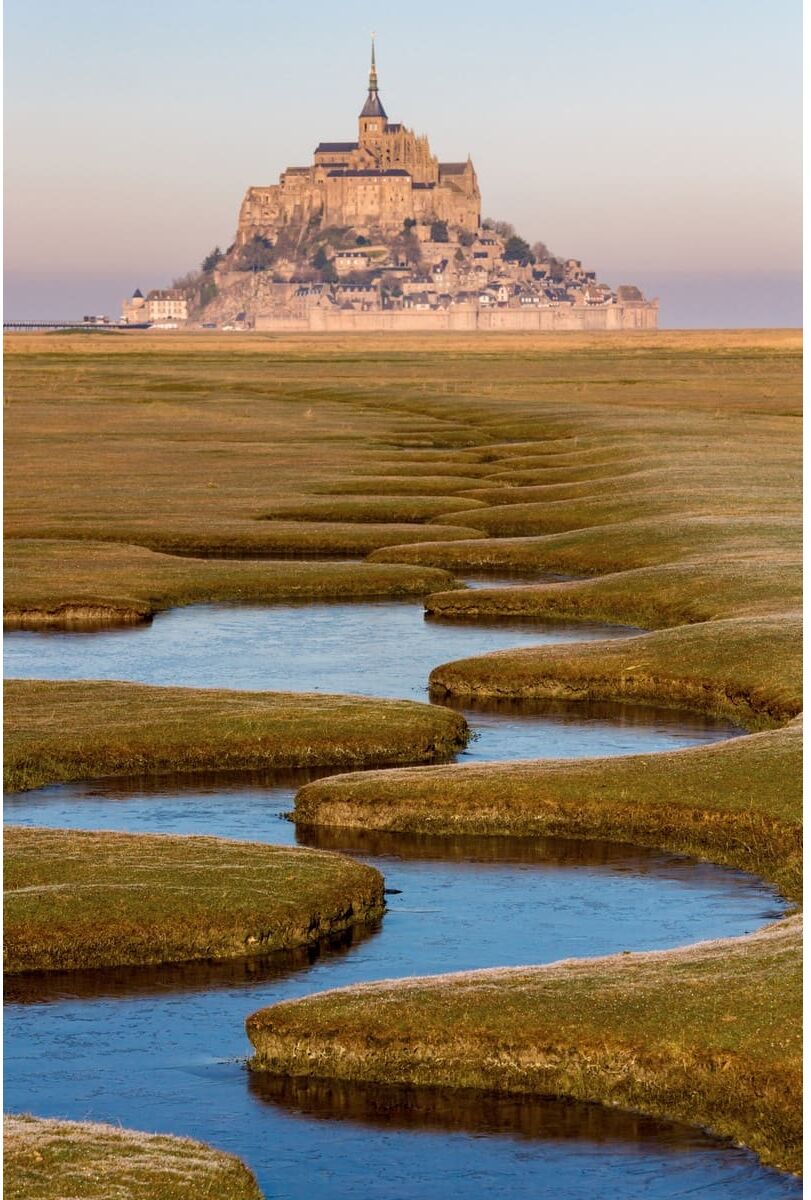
x: 164, y: 1048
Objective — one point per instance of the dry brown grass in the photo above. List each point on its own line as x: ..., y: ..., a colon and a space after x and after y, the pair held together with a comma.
x: 61, y: 730
x: 738, y: 802
x: 84, y: 899
x: 748, y: 669
x: 51, y: 1160
x: 58, y: 583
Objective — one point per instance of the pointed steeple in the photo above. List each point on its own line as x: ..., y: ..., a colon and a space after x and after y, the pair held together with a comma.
x: 373, y: 69
x: 373, y: 107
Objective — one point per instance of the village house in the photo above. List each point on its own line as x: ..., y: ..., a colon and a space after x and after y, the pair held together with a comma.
x: 166, y: 304
x: 346, y: 261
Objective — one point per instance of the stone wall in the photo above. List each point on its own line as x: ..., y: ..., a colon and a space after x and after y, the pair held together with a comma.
x: 612, y: 317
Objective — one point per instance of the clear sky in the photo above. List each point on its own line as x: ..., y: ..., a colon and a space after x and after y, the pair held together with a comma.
x: 657, y: 140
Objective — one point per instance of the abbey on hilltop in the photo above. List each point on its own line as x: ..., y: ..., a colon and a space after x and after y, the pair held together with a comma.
x: 378, y: 234
x: 386, y: 177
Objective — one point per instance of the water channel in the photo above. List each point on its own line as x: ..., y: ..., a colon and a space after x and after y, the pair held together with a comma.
x: 164, y: 1048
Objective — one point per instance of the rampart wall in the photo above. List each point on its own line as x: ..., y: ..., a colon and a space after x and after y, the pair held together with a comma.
x: 611, y: 317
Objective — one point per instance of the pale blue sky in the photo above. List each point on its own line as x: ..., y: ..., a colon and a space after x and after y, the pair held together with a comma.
x: 658, y: 140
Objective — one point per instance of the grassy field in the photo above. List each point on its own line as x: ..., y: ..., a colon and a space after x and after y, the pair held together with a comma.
x: 58, y: 731
x: 68, y: 584
x: 88, y: 899
x: 49, y: 1160
x: 662, y: 469
x: 744, y: 668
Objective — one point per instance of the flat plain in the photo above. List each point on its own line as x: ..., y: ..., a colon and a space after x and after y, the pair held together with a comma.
x: 661, y: 470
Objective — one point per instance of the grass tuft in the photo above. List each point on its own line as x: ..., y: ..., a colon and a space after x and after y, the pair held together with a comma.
x: 50, y: 1160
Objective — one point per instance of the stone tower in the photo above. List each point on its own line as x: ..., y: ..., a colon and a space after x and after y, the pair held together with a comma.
x: 372, y: 120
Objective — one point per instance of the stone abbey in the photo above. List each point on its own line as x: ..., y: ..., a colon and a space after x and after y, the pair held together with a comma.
x: 378, y: 234
x: 386, y: 177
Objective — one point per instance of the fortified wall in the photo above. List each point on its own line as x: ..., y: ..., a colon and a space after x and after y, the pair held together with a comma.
x: 616, y: 317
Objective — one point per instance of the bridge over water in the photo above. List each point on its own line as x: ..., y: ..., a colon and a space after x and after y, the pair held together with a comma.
x: 33, y: 326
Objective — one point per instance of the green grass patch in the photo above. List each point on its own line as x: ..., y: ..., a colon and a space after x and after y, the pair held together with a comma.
x: 59, y: 731
x: 610, y: 548
x: 414, y: 483
x: 746, y: 669
x: 59, y: 583
x: 670, y: 594
x: 369, y: 510
x: 48, y: 1160
x: 86, y: 899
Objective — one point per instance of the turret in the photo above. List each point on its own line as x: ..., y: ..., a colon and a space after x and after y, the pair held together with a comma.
x: 372, y: 120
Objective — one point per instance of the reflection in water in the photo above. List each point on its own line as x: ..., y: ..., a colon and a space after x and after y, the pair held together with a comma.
x: 371, y: 648
x: 542, y: 1118
x: 492, y: 848
x: 50, y: 987
x: 418, y: 1142
x: 341, y: 647
x: 501, y: 577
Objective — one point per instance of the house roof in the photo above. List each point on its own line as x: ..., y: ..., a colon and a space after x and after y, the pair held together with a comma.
x: 333, y: 147
x: 353, y: 174
x: 456, y: 168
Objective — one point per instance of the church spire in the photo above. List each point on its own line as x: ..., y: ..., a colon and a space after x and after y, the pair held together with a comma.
x: 373, y: 69
x: 373, y: 107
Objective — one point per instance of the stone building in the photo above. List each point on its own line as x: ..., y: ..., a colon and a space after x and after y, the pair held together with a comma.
x: 386, y: 177
x: 161, y: 304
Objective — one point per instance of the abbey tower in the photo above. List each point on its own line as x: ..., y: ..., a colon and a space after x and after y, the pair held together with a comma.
x: 386, y: 177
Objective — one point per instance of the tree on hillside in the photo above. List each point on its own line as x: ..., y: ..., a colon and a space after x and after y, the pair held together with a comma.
x: 502, y: 228
x: 439, y: 231
x: 407, y: 243
x: 466, y: 238
x: 324, y: 266
x: 256, y: 255
x: 211, y: 260
x: 208, y: 292
x: 540, y: 252
x: 517, y: 250
x: 187, y: 283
